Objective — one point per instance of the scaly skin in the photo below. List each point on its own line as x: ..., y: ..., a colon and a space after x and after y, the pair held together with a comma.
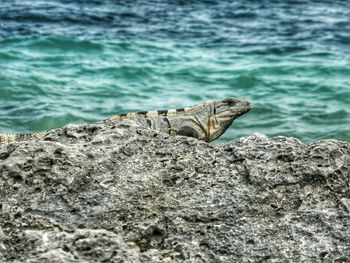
x: 205, y: 121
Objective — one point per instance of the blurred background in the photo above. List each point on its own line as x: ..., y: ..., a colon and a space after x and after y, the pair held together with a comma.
x: 81, y: 61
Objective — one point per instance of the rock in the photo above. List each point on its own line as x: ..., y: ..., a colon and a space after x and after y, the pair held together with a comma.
x: 122, y: 193
x: 79, y: 246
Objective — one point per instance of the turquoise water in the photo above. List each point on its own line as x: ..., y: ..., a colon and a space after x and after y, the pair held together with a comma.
x: 66, y: 63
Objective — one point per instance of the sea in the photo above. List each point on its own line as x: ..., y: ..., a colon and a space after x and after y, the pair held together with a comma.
x: 78, y: 61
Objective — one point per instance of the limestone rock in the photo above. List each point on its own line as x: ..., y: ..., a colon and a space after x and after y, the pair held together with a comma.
x: 122, y: 193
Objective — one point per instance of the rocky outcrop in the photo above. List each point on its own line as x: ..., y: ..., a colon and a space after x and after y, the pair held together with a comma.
x: 95, y: 193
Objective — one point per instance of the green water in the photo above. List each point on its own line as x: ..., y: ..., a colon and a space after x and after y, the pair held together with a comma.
x: 298, y: 81
x: 47, y: 82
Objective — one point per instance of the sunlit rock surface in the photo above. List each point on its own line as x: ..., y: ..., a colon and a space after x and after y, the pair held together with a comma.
x: 95, y: 193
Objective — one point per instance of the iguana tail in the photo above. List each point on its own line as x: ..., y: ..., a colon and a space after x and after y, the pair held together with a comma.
x: 21, y: 137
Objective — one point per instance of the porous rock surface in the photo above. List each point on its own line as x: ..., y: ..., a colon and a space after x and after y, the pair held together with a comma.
x: 122, y: 193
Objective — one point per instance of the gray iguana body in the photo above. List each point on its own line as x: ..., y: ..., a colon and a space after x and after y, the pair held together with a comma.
x: 205, y: 121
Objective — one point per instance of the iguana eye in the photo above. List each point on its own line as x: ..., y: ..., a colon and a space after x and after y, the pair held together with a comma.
x: 230, y: 101
x: 188, y: 131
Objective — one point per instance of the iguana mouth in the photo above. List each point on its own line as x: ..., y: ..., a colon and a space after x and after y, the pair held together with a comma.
x: 232, y: 113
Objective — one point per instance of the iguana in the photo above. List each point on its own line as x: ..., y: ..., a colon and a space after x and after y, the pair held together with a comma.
x: 205, y: 121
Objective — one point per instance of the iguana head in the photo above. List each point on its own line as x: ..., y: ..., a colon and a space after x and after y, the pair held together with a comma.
x: 223, y: 113
x: 210, y: 120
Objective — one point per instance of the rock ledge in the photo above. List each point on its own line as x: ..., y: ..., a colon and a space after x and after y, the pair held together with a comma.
x: 95, y: 193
